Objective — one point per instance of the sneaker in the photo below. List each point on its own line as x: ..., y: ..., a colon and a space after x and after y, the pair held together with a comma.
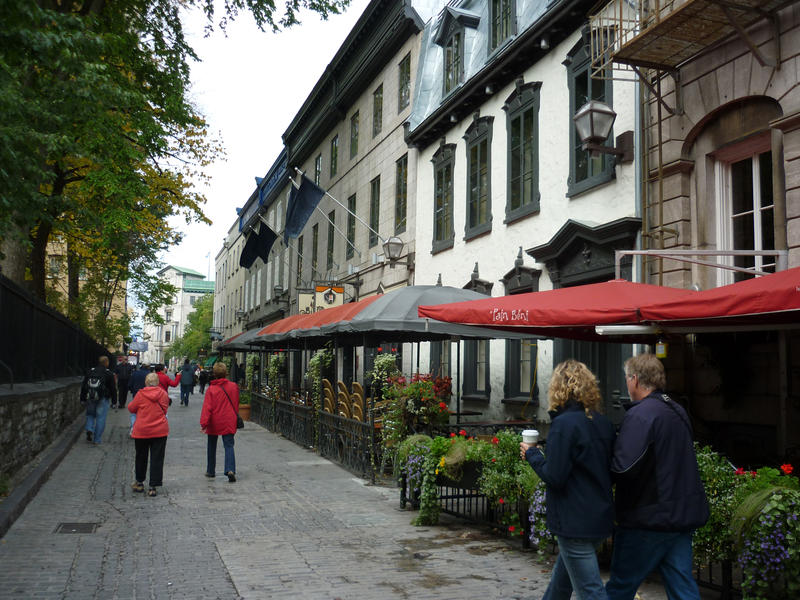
x: 137, y: 487
x: 210, y: 475
x: 88, y: 436
x: 231, y: 476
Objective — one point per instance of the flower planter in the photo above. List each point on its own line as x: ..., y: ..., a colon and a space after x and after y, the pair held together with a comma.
x: 244, y: 412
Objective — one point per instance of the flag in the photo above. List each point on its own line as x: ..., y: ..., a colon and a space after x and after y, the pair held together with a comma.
x: 257, y: 245
x: 302, y: 202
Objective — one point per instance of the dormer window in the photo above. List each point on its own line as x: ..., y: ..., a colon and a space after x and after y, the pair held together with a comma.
x: 451, y: 37
x: 503, y: 22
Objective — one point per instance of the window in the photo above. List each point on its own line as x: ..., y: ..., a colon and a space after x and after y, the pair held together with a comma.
x: 502, y: 18
x: 746, y: 209
x: 374, y: 210
x: 443, y: 232
x: 317, y: 168
x: 522, y: 123
x: 299, y: 261
x: 453, y: 61
x: 476, y: 369
x: 334, y: 155
x: 167, y: 335
x: 401, y: 194
x: 404, y: 83
x: 55, y: 265
x: 377, y: 110
x: 585, y: 171
x: 351, y: 225
x: 440, y: 359
x: 192, y: 300
x: 479, y: 213
x: 331, y: 230
x: 354, y: 135
x: 314, y: 249
x: 168, y: 315
x: 521, y: 357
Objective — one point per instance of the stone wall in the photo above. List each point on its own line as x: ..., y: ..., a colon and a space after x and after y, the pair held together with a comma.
x: 32, y: 416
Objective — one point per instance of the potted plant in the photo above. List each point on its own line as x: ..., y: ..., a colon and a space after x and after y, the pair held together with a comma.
x: 244, y: 404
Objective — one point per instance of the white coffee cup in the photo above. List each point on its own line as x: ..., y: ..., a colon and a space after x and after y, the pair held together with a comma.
x: 530, y: 436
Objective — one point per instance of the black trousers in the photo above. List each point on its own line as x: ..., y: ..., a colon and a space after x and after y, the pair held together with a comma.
x: 155, y: 447
x: 122, y: 392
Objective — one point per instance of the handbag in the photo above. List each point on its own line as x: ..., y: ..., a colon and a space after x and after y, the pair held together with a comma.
x: 239, y: 421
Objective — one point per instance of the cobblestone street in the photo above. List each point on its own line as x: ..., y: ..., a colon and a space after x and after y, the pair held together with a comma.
x: 294, y: 525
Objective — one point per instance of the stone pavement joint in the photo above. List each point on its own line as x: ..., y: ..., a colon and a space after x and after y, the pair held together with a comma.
x: 294, y: 525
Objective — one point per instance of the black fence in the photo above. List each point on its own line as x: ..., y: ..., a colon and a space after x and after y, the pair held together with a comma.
x: 38, y: 342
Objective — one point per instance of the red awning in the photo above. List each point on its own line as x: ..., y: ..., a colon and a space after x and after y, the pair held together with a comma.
x: 345, y: 312
x: 571, y: 312
x: 760, y: 302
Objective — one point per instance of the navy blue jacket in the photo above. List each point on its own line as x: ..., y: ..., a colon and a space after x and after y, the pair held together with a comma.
x: 577, y: 472
x: 137, y: 380
x: 187, y: 375
x: 655, y: 469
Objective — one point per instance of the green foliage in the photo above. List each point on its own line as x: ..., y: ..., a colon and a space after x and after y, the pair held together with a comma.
x: 383, y: 369
x: 196, y: 336
x: 275, y: 367
x: 317, y: 365
x: 710, y: 542
x: 413, y: 407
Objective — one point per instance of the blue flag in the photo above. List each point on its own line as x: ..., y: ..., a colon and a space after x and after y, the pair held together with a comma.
x: 257, y: 245
x: 302, y: 202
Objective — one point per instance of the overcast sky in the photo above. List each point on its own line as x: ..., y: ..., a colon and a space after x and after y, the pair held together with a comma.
x: 250, y: 86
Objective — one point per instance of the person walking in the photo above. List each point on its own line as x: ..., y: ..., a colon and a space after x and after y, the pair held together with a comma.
x: 660, y: 498
x: 187, y: 381
x: 98, y: 391
x: 137, y: 381
x: 123, y: 371
x: 150, y: 431
x: 576, y: 472
x: 164, y: 381
x: 202, y: 379
x: 218, y: 418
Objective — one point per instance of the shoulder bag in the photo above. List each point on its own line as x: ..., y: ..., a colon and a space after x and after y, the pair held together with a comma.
x: 239, y: 421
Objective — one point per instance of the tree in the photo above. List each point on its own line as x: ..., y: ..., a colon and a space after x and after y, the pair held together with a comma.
x: 95, y: 120
x: 196, y: 336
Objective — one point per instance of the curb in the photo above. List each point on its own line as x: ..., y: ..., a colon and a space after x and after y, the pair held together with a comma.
x: 16, y: 502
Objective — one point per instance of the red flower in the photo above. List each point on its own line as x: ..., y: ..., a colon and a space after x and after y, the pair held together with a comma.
x: 787, y: 468
x: 452, y: 434
x: 462, y: 432
x: 442, y: 406
x: 494, y: 460
x: 740, y: 471
x: 380, y: 349
x: 511, y: 528
x: 753, y: 474
x: 495, y: 441
x: 501, y: 501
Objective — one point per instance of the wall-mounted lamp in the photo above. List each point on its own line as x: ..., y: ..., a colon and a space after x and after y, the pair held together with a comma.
x: 239, y: 313
x: 544, y: 43
x: 453, y: 119
x: 489, y: 89
x: 393, y: 250
x: 593, y: 122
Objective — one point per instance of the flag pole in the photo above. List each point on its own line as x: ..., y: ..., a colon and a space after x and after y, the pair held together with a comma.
x: 362, y: 221
x: 339, y: 231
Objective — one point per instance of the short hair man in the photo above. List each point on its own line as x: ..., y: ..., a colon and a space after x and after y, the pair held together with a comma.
x: 97, y: 409
x: 660, y: 498
x: 123, y: 371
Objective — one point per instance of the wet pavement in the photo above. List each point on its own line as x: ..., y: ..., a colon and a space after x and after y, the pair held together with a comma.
x: 294, y: 525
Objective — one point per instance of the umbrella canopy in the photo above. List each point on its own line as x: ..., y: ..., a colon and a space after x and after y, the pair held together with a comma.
x: 241, y: 341
x: 761, y: 302
x: 570, y: 312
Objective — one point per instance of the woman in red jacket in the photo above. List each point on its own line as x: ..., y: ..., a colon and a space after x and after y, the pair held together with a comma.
x: 150, y: 431
x: 220, y: 409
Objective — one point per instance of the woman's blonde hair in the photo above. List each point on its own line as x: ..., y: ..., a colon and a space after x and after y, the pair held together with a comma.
x: 572, y: 380
x: 151, y: 379
x: 220, y: 370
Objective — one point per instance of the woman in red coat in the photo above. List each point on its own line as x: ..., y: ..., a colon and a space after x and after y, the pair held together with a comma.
x: 220, y: 409
x: 150, y: 431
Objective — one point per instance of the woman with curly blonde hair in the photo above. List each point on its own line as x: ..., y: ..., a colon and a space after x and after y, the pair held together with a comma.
x: 577, y: 473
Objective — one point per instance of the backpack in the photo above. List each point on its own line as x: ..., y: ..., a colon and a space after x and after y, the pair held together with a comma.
x: 96, y: 388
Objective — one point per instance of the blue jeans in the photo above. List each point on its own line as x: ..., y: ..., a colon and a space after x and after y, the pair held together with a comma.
x: 230, y: 457
x: 638, y: 552
x: 97, y: 423
x: 186, y: 390
x: 576, y: 569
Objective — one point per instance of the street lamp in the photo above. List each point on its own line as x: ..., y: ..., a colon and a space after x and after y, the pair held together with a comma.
x: 593, y: 121
x: 393, y: 249
x: 240, y: 314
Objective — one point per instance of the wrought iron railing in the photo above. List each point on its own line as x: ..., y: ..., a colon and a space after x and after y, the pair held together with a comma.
x: 295, y: 422
x: 348, y: 442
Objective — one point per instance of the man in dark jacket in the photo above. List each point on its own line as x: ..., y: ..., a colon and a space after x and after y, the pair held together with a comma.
x: 123, y: 372
x: 187, y: 382
x: 98, y: 390
x: 137, y: 379
x: 660, y: 498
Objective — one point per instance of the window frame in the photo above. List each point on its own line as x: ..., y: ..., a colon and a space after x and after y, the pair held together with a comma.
x: 374, y: 210
x: 437, y: 350
x: 299, y: 274
x: 478, y: 136
x: 314, y: 249
x: 331, y: 247
x: 354, y: 126
x: 318, y: 169
x: 578, y: 65
x: 443, y: 162
x: 351, y: 226
x: 334, y: 164
x: 404, y: 83
x: 510, y: 25
x: 525, y: 99
x: 377, y: 111
x: 453, y: 61
x: 469, y: 388
x: 401, y: 194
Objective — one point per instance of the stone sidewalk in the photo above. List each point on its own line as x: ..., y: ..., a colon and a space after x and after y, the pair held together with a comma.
x: 294, y: 525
